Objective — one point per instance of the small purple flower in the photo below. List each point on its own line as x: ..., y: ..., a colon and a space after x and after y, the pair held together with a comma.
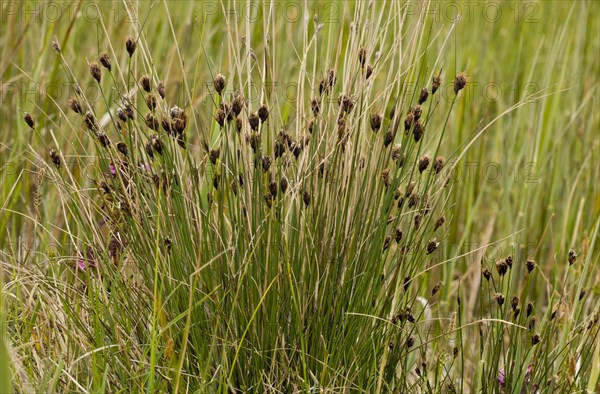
x: 112, y: 168
x: 88, y: 261
x: 501, y: 378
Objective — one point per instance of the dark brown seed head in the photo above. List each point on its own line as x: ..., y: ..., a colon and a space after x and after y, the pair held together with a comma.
x: 432, y: 246
x: 273, y: 188
x: 501, y: 267
x: 214, y: 155
x: 151, y: 121
x: 386, y: 242
x: 253, y: 120
x: 410, y: 188
x: 424, y: 163
x: 75, y: 105
x: 315, y: 106
x: 369, y: 71
x: 418, y: 131
x: 296, y: 149
x: 396, y: 152
x: 328, y: 82
x: 582, y: 294
x: 128, y: 108
x: 156, y: 144
x: 530, y: 264
x: 535, y: 339
x: 409, y: 121
x: 266, y: 163
x: 438, y: 164
x: 572, y: 257
x: 385, y: 177
x: 439, y: 223
x: 104, y: 59
x: 509, y: 261
x: 283, y: 184
x: 150, y: 101
x: 417, y: 111
x: 220, y: 117
x: 167, y: 124
x: 375, y: 122
x: 423, y: 96
x: 514, y: 303
x: 531, y: 323
x: 103, y: 139
x: 90, y: 121
x: 263, y: 113
x: 161, y: 89
x: 398, y: 235
x: 388, y: 139
x: 238, y: 124
x: 362, y: 56
x: 219, y: 83
x: 413, y: 200
x: 122, y: 147
x: 121, y: 115
x: 130, y: 45
x: 346, y: 102
x: 306, y: 198
x: 417, y: 221
x: 95, y: 71
x: 28, y: 119
x: 392, y: 112
x: 237, y: 104
x: 516, y: 313
x: 55, y: 158
x: 499, y: 298
x: 149, y: 150
x: 435, y: 84
x: 145, y: 83
x: 529, y: 308
x: 410, y: 341
x: 436, y: 289
x: 459, y: 82
x: 178, y: 125
x: 486, y: 274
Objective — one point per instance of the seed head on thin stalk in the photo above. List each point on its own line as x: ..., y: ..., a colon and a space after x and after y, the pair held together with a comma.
x: 459, y: 82
x: 95, y: 71
x: 55, y: 158
x: 104, y: 59
x: 130, y: 45
x: 145, y: 83
x: 219, y: 83
x: 436, y: 83
x: 28, y: 119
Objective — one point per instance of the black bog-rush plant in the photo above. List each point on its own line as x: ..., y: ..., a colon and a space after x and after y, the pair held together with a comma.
x: 231, y: 243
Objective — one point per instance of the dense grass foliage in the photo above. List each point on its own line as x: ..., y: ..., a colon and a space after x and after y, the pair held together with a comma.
x: 300, y: 196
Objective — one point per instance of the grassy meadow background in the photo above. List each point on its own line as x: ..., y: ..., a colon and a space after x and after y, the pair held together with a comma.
x: 215, y: 291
